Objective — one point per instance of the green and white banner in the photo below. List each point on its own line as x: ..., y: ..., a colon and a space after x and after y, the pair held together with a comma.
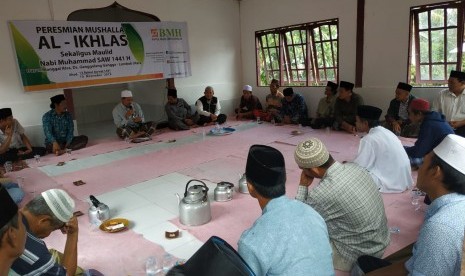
x: 66, y: 54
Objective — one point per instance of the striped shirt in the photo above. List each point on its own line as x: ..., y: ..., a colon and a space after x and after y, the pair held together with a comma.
x: 58, y: 127
x: 349, y: 201
x: 36, y: 259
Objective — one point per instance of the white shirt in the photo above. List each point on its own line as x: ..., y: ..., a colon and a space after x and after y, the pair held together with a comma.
x: 199, y: 108
x: 383, y: 155
x: 16, y: 140
x: 452, y: 106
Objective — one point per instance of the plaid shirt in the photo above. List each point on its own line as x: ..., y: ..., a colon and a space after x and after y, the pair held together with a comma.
x: 349, y: 201
x: 58, y: 127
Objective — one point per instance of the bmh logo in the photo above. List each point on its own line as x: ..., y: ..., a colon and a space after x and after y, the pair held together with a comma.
x: 166, y: 34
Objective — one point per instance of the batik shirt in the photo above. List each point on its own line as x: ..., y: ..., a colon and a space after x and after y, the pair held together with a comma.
x: 296, y: 109
x: 58, y: 127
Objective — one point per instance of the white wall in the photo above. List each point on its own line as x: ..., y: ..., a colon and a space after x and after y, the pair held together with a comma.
x: 385, y: 47
x: 214, y: 39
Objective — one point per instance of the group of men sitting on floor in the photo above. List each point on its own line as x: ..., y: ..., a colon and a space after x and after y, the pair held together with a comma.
x: 339, y: 223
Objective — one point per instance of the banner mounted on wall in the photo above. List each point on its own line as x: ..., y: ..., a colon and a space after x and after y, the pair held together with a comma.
x: 68, y: 54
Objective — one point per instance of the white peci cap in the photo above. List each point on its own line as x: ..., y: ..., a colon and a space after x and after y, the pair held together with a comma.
x: 61, y: 204
x: 126, y: 94
x: 247, y: 88
x: 452, y: 151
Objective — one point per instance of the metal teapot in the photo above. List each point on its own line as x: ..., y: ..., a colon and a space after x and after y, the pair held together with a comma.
x: 194, y: 208
x: 223, y: 191
x: 243, y: 184
x: 98, y: 212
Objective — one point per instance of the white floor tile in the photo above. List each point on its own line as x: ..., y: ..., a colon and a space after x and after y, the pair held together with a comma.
x: 156, y: 234
x: 146, y: 216
x: 187, y: 250
x: 122, y: 200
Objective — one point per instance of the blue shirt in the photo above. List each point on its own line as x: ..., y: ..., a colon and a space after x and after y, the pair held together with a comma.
x: 36, y: 259
x: 290, y: 238
x: 438, y: 250
x: 58, y: 127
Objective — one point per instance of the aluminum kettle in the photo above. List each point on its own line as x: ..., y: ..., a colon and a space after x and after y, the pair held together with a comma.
x: 223, y: 191
x: 194, y: 208
x: 243, y: 184
x: 98, y: 212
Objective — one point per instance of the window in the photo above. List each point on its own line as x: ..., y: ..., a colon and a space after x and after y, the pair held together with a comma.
x: 298, y: 55
x: 436, y: 42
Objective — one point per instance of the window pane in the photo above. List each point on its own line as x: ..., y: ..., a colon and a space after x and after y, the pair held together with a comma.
x: 424, y: 72
x: 451, y: 67
x: 335, y: 52
x: 264, y: 43
x: 272, y: 42
x: 451, y: 45
x: 294, y: 75
x: 437, y: 18
x: 292, y: 60
x: 316, y: 34
x: 328, y: 54
x: 437, y: 46
x: 303, y: 75
x: 424, y: 47
x: 274, y: 58
x: 322, y: 74
x: 325, y: 32
x: 438, y: 72
x: 319, y: 55
x: 330, y: 74
x: 423, y: 20
x: 288, y: 38
x: 333, y: 31
x: 300, y: 56
x: 296, y: 37
x: 303, y: 34
x: 451, y: 17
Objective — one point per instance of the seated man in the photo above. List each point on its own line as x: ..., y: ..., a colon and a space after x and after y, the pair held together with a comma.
x: 13, y: 188
x: 50, y: 211
x: 14, y: 144
x: 325, y: 111
x: 208, y: 107
x: 290, y: 238
x: 129, y: 118
x: 451, y: 102
x: 348, y: 200
x: 59, y: 128
x: 345, y: 108
x: 249, y: 105
x: 12, y: 232
x: 179, y: 112
x: 438, y: 249
x: 293, y: 108
x: 397, y: 115
x: 274, y: 100
x: 382, y: 153
x: 433, y: 128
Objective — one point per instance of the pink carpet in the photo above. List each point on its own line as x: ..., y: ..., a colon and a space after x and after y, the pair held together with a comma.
x: 216, y: 159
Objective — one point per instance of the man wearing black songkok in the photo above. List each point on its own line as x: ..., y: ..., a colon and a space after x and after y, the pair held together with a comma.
x: 59, y: 128
x: 397, y: 115
x: 12, y: 232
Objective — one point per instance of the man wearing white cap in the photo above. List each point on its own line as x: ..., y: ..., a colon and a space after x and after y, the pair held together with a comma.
x: 129, y: 118
x: 348, y: 200
x: 438, y: 250
x: 249, y: 105
x: 12, y: 232
x: 208, y: 108
x: 50, y: 211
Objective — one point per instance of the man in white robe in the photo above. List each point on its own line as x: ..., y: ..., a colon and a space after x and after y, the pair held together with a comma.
x: 382, y: 153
